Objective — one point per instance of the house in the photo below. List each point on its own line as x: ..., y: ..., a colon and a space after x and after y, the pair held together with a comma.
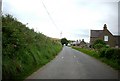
x: 76, y: 43
x: 83, y: 43
x: 79, y: 43
x: 105, y: 35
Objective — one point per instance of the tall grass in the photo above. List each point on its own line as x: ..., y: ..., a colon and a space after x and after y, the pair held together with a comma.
x: 23, y: 50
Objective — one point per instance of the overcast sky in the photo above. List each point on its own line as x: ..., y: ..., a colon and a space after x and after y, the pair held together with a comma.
x: 74, y: 18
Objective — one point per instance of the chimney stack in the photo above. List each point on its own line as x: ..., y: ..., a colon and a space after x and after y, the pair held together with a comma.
x: 105, y: 27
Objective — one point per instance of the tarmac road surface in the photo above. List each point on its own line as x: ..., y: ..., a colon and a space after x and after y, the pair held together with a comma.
x: 72, y: 64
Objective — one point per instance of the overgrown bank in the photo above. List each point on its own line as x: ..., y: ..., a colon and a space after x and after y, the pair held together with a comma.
x: 23, y: 50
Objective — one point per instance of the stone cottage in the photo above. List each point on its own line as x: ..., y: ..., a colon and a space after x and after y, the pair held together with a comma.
x: 105, y: 35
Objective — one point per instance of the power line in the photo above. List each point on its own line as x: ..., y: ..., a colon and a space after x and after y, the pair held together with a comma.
x: 54, y: 21
x: 50, y: 15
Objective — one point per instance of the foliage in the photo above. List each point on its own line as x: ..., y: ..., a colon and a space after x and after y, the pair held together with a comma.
x: 87, y: 51
x: 110, y: 56
x: 117, y: 55
x: 102, y: 52
x: 64, y: 41
x: 99, y: 44
x: 24, y: 50
x: 109, y: 53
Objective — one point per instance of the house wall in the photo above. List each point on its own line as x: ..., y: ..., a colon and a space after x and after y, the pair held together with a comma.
x: 117, y: 41
x: 92, y: 39
x: 111, y: 39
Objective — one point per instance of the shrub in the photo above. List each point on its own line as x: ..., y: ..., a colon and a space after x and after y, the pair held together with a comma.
x: 109, y: 53
x: 102, y: 52
x: 99, y: 42
x: 116, y: 55
x: 98, y: 46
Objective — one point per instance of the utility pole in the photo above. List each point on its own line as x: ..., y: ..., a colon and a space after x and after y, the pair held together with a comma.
x: 60, y: 35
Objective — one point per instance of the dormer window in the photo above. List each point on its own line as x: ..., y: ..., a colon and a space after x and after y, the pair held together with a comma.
x: 105, y: 38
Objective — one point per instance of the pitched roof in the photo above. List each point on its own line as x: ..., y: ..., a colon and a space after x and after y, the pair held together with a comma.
x: 96, y: 33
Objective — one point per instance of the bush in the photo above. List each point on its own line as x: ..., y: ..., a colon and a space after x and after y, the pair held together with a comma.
x: 99, y: 42
x: 98, y: 46
x: 109, y: 53
x: 116, y: 55
x: 102, y: 52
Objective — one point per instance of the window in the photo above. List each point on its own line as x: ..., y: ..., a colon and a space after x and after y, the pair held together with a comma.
x: 105, y: 38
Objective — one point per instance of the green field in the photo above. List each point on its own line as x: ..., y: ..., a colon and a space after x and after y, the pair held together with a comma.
x: 24, y: 50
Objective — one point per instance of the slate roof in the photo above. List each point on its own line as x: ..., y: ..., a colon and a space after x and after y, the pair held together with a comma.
x: 96, y: 33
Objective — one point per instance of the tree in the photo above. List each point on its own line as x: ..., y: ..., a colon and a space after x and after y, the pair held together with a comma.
x: 64, y: 41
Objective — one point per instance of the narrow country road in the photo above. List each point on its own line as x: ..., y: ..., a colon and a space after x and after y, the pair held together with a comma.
x: 72, y: 64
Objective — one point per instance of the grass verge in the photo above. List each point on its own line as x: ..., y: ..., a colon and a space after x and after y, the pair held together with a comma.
x: 93, y: 53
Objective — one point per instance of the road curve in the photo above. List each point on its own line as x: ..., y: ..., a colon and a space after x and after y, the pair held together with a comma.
x: 72, y: 64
